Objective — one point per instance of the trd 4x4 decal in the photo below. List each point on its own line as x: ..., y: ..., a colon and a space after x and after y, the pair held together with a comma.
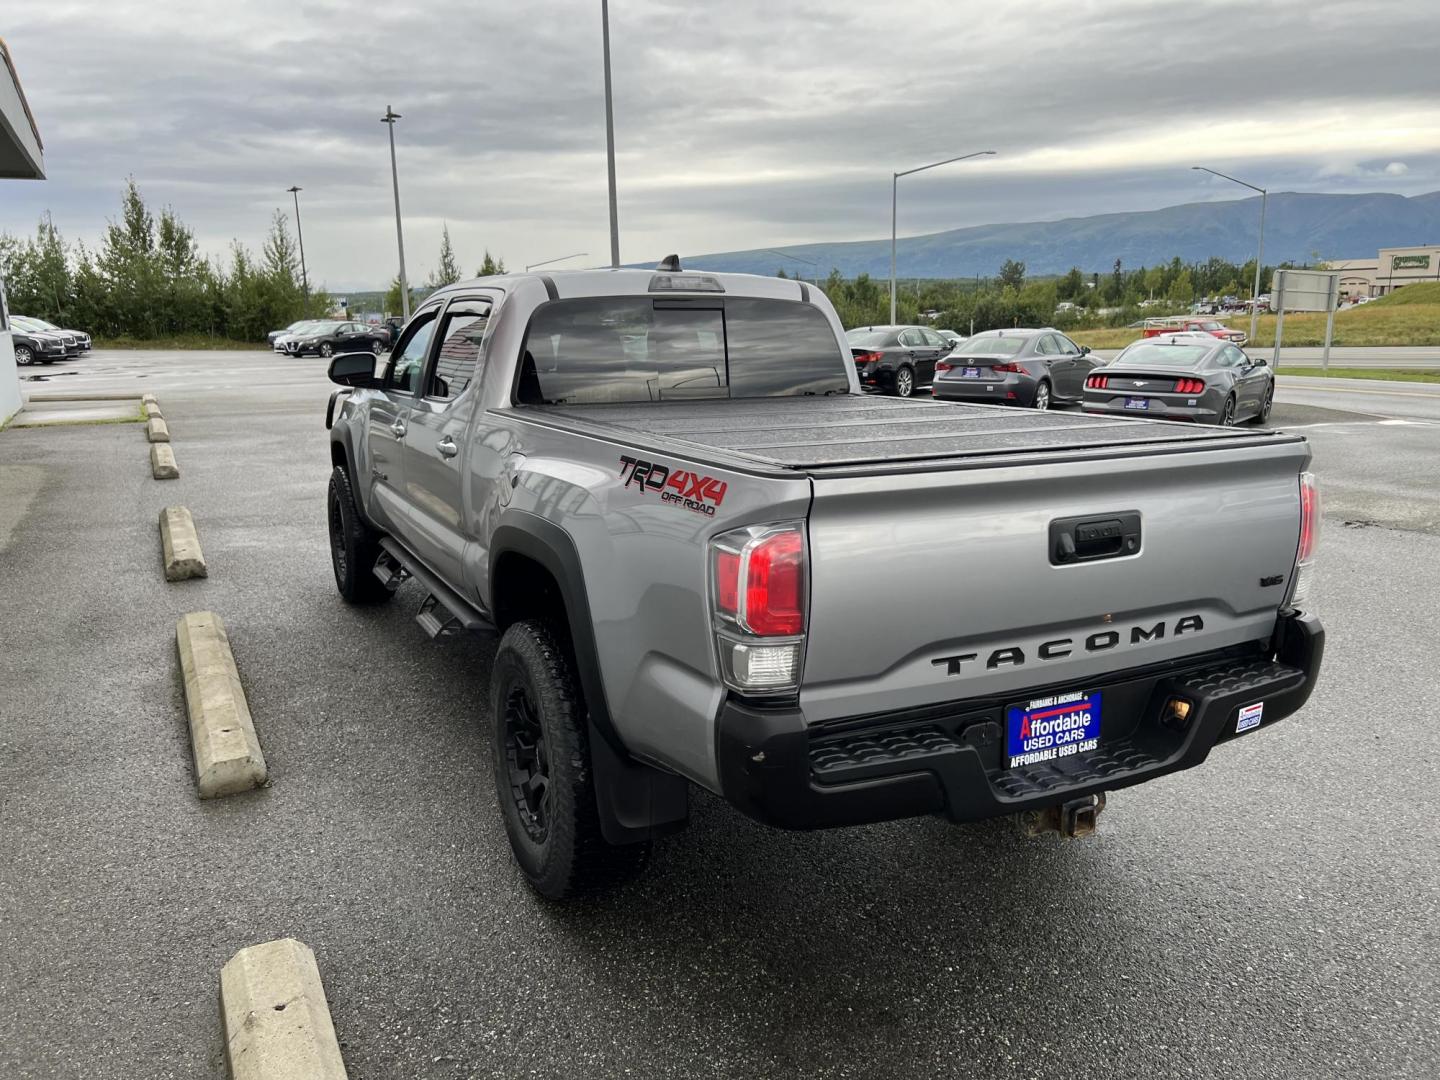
x: 690, y: 490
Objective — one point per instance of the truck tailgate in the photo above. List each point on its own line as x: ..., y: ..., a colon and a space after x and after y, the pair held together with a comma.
x: 941, y: 585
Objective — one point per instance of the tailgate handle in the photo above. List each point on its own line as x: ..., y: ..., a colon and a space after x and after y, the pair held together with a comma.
x: 1094, y: 537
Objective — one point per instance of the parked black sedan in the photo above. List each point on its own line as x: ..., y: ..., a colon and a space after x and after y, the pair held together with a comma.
x: 1031, y: 368
x: 76, y: 341
x: 35, y: 346
x: 1191, y: 377
x: 330, y: 337
x: 896, y: 359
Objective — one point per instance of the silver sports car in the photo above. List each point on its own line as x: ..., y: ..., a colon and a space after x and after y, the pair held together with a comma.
x: 1183, y: 377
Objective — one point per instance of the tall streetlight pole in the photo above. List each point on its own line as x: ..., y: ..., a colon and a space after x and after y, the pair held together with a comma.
x: 562, y: 258
x: 304, y: 277
x: 610, y: 136
x: 894, y: 198
x: 1259, y: 255
x: 814, y: 266
x: 389, y: 120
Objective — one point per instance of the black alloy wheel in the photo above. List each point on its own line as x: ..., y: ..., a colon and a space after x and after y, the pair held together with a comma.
x: 527, y: 763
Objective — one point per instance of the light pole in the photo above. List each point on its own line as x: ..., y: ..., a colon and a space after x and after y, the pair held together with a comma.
x: 389, y: 120
x: 562, y: 258
x: 814, y: 266
x: 610, y: 136
x: 894, y: 195
x: 1259, y: 255
x: 304, y: 277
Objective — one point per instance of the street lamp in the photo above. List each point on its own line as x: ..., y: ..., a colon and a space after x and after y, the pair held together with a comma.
x: 610, y: 136
x: 814, y: 266
x: 389, y: 120
x: 562, y: 258
x: 304, y: 277
x: 894, y: 190
x: 1259, y: 255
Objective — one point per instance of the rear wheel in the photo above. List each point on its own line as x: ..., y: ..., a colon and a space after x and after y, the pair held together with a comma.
x: 354, y: 546
x: 904, y: 382
x: 1264, y: 415
x: 1227, y: 415
x: 1042, y: 396
x: 23, y: 355
x: 543, y: 776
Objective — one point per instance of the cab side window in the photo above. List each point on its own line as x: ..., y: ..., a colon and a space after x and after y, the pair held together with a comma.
x: 457, y: 361
x: 408, y: 359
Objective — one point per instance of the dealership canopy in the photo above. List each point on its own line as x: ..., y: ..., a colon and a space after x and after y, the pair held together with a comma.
x: 21, y: 151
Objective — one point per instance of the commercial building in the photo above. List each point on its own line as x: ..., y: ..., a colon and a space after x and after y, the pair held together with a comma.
x: 1392, y: 269
x: 21, y: 158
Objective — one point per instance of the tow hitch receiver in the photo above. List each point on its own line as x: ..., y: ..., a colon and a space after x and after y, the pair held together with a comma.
x: 1075, y: 818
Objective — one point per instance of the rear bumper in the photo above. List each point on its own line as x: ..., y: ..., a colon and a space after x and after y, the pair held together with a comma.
x: 1009, y: 390
x: 949, y: 758
x: 1204, y: 412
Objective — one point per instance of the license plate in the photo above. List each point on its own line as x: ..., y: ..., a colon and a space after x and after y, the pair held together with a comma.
x: 1052, y: 728
x: 1137, y: 403
x: 970, y: 373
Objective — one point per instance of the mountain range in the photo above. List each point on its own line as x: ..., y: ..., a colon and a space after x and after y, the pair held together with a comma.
x: 1298, y: 227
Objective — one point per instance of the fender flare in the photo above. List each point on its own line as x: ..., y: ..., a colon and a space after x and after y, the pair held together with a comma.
x: 636, y: 801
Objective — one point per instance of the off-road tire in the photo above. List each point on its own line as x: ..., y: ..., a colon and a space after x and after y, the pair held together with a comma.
x: 354, y: 546
x: 563, y: 854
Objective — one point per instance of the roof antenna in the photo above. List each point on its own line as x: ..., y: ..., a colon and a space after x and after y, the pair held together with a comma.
x: 669, y: 265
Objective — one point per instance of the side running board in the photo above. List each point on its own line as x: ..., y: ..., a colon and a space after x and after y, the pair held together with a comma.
x: 443, y: 611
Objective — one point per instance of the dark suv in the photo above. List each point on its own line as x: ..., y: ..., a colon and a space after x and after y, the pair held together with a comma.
x: 33, y: 346
x: 896, y: 359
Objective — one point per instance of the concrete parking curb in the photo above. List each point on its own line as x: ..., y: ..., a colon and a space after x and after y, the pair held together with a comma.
x: 94, y: 395
x: 277, y: 1022
x: 162, y: 462
x: 152, y: 409
x: 227, y: 750
x: 157, y: 430
x: 180, y: 545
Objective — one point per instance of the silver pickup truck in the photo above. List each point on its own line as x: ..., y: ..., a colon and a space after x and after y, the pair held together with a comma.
x: 710, y: 559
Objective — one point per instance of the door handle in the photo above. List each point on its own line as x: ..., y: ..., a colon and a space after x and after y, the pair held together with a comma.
x: 447, y: 447
x: 398, y: 429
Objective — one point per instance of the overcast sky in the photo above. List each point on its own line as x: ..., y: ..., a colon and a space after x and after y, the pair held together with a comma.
x: 739, y: 123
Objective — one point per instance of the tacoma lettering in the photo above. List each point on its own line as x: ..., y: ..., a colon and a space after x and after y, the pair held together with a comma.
x: 1059, y: 648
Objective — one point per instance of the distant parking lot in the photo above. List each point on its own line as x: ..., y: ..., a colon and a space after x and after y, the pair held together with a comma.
x: 1270, y: 915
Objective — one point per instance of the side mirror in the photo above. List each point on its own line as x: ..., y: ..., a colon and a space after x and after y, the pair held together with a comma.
x: 354, y: 369
x: 1258, y: 361
x: 1084, y: 350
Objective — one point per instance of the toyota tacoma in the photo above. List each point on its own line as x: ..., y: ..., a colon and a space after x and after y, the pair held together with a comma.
x: 710, y: 560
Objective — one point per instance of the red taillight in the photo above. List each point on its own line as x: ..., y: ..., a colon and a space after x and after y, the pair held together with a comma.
x: 867, y: 357
x: 1189, y: 386
x: 943, y: 365
x: 727, y: 582
x: 1098, y: 382
x: 1013, y: 368
x: 759, y: 580
x: 1309, y: 517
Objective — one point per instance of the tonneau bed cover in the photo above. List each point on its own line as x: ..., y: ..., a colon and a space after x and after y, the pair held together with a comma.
x: 844, y: 432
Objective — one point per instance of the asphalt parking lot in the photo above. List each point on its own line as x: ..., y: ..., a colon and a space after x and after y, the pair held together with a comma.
x: 1275, y: 913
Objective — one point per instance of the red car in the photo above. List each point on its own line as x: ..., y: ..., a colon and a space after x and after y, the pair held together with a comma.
x: 1188, y: 324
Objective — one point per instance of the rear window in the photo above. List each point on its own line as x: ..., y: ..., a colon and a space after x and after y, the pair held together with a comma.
x: 990, y: 346
x: 628, y: 349
x: 1146, y: 354
x: 870, y: 339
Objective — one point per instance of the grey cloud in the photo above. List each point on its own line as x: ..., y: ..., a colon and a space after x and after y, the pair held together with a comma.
x: 804, y: 108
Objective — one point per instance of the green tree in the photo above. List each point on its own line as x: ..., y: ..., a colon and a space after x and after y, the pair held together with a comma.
x: 1012, y: 274
x: 490, y: 267
x: 448, y: 270
x: 394, y: 297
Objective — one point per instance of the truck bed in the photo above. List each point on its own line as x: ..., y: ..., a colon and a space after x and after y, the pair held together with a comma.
x: 870, y: 433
